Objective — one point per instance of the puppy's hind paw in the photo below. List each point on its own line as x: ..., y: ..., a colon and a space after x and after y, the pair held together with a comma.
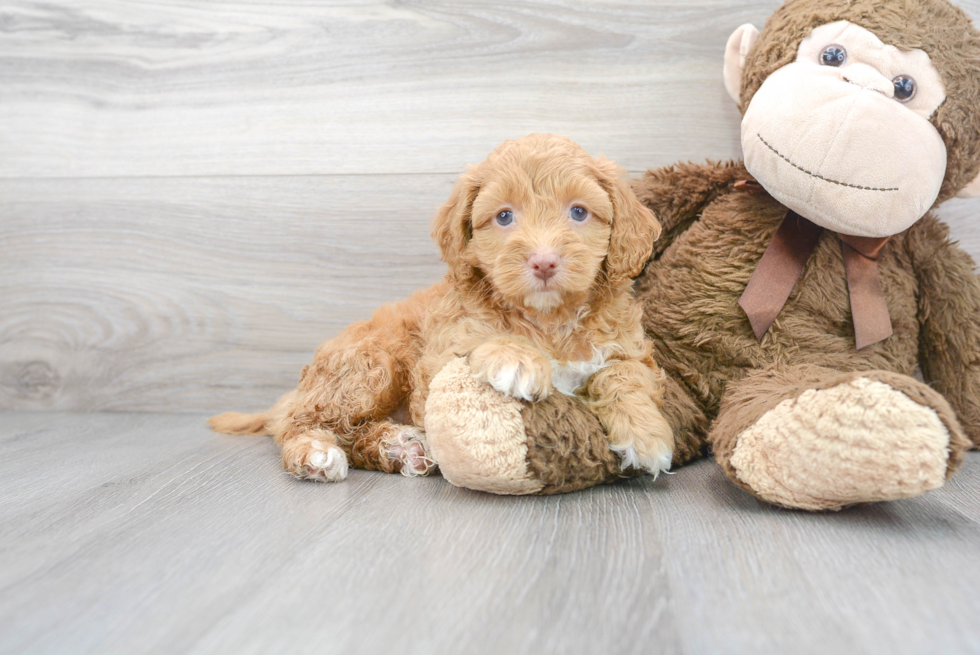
x: 313, y: 459
x: 408, y: 447
x: 327, y: 465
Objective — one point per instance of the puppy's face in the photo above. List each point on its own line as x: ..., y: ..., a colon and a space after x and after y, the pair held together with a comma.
x: 541, y: 229
x: 542, y: 221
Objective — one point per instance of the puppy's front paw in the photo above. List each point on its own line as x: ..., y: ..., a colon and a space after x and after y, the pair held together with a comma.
x: 647, y: 445
x: 309, y: 458
x: 517, y: 371
x: 653, y: 462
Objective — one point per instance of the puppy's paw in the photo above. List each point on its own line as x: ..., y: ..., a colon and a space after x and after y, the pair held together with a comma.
x: 309, y: 458
x: 328, y: 465
x: 517, y: 371
x: 646, y: 445
x: 409, y: 448
x: 653, y: 462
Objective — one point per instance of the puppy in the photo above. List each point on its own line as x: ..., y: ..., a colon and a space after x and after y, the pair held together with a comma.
x: 541, y: 241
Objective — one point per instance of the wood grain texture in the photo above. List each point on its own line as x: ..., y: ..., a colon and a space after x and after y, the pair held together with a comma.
x: 177, y: 294
x: 205, y: 87
x: 208, y: 87
x: 196, y: 87
x: 149, y: 534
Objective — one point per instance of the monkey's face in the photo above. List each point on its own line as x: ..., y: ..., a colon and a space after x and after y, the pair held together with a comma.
x: 842, y: 135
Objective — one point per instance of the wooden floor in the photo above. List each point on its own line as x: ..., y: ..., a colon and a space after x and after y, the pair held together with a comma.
x: 146, y: 533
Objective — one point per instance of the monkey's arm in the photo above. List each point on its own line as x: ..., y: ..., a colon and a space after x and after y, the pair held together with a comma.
x: 949, y: 312
x: 677, y: 194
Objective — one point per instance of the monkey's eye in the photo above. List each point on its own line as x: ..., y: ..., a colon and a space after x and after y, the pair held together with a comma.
x: 505, y: 217
x: 578, y: 213
x: 833, y: 55
x: 904, y: 88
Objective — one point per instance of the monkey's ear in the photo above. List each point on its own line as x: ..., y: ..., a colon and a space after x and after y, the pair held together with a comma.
x: 971, y: 190
x: 739, y: 44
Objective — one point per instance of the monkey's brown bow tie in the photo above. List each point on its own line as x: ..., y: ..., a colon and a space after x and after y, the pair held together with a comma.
x: 782, y: 264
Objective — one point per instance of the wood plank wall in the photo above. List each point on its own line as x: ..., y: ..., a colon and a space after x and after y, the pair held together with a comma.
x: 194, y: 194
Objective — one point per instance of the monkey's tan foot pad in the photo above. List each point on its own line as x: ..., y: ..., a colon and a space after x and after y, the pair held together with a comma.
x: 859, y: 441
x: 477, y: 434
x: 409, y: 448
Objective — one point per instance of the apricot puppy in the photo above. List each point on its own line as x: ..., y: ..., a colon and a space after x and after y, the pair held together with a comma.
x: 542, y: 241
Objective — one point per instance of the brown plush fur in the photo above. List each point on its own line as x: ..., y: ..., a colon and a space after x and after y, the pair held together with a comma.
x: 567, y: 448
x: 944, y: 31
x: 492, y: 309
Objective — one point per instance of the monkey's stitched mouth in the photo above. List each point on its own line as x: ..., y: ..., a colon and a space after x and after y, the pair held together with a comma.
x: 821, y: 177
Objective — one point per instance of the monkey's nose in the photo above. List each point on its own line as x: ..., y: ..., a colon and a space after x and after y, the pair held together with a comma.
x: 544, y: 265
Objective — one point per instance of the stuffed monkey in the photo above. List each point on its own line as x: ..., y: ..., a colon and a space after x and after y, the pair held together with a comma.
x: 806, y: 285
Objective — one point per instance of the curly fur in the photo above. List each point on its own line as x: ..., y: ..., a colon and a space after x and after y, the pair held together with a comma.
x: 494, y: 310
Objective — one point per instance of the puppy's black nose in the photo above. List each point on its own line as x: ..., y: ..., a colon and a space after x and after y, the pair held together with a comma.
x: 544, y: 264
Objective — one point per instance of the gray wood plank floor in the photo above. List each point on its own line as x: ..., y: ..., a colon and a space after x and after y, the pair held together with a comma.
x: 145, y: 533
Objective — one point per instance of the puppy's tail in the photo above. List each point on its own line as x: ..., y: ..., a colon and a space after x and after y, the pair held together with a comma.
x: 235, y: 423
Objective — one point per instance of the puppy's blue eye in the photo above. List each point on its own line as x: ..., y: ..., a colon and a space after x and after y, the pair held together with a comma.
x: 578, y: 213
x: 505, y: 217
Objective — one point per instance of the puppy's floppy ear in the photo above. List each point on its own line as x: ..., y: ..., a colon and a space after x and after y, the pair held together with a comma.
x: 452, y: 228
x: 634, y: 227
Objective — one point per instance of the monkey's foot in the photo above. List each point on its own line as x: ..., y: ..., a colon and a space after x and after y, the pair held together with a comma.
x: 859, y: 441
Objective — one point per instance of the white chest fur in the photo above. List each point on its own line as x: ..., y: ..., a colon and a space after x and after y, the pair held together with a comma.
x: 566, y: 377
